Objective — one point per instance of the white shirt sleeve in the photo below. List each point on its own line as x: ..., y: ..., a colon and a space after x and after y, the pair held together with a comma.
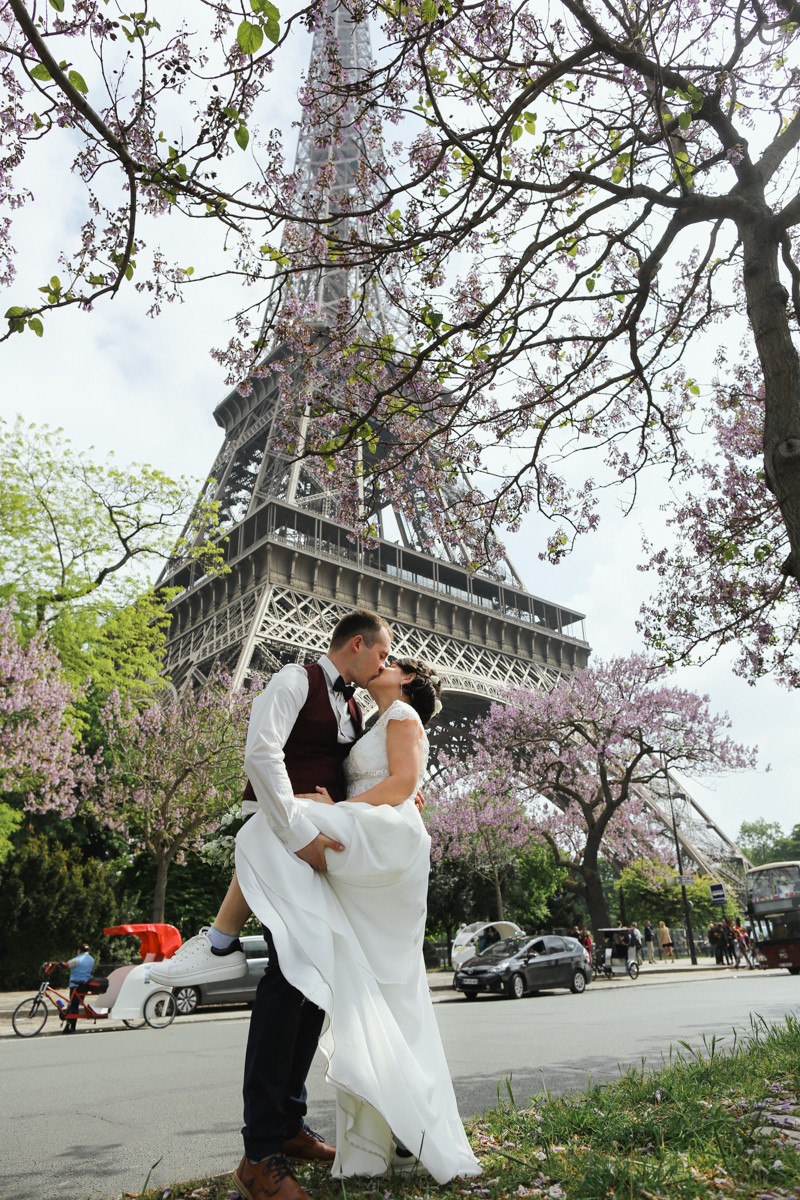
x: 272, y: 719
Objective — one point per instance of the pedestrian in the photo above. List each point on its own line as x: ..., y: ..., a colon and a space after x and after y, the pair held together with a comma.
x: 717, y: 942
x: 665, y: 941
x: 649, y: 940
x: 741, y: 947
x: 636, y: 942
x: 729, y: 941
x: 80, y: 972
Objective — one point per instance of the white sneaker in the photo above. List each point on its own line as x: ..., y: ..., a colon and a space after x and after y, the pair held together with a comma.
x: 198, y: 962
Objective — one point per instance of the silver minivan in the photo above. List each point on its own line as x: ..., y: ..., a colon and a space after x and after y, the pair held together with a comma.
x: 188, y: 997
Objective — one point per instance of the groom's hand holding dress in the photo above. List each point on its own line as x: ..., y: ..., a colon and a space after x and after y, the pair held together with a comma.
x: 314, y: 852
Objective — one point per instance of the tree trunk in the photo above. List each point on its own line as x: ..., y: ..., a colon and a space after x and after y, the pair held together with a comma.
x: 498, y: 895
x: 160, y: 891
x: 596, y: 899
x: 767, y: 310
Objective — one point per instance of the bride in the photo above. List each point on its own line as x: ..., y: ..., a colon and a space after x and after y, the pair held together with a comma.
x: 350, y: 939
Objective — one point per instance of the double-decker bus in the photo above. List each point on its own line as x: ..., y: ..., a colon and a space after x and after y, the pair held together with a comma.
x: 773, y: 906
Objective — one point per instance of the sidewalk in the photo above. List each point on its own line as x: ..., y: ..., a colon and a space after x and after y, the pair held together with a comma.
x: 438, y: 981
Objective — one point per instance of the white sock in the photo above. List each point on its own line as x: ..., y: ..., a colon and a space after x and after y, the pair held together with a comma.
x: 219, y: 940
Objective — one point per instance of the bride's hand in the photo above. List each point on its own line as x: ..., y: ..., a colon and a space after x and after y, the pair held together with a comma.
x: 321, y: 795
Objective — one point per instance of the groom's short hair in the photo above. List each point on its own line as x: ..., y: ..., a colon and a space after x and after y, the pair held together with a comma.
x: 361, y: 621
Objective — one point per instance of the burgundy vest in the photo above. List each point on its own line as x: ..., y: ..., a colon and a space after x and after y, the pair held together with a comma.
x: 313, y: 755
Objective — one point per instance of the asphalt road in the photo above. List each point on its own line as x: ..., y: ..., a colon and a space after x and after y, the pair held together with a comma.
x: 86, y: 1117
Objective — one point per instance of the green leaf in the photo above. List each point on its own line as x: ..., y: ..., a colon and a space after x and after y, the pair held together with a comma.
x: 590, y: 285
x: 242, y: 136
x: 15, y: 311
x: 516, y: 133
x: 273, y: 31
x: 78, y: 82
x: 249, y: 37
x: 618, y: 174
x: 685, y: 120
x: 231, y: 112
x: 35, y: 324
x: 58, y: 5
x: 429, y: 10
x: 41, y: 73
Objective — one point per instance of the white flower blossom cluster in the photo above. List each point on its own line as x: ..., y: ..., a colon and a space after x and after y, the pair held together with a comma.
x: 220, y: 850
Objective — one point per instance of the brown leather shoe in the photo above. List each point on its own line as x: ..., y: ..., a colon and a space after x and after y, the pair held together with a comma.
x: 309, y: 1147
x: 270, y: 1179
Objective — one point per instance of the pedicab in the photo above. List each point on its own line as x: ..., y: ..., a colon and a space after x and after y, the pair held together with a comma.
x: 472, y: 939
x: 615, y: 953
x: 126, y: 995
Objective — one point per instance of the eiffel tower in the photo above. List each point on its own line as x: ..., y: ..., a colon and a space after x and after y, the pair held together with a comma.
x: 294, y: 567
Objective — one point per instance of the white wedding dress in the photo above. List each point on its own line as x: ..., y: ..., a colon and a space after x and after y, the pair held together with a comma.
x: 351, y: 941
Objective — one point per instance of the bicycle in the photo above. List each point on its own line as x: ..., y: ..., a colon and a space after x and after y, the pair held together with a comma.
x: 30, y: 1016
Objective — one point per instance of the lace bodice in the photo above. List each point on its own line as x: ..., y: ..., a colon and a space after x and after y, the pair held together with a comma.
x: 368, y: 763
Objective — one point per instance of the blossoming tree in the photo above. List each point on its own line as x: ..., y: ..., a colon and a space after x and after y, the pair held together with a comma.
x: 721, y: 581
x: 572, y: 762
x: 41, y: 765
x: 476, y: 816
x: 172, y: 770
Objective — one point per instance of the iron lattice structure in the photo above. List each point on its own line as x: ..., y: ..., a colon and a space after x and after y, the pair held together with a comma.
x: 705, y: 847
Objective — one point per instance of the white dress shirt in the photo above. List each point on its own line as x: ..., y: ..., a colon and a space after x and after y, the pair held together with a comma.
x: 272, y: 719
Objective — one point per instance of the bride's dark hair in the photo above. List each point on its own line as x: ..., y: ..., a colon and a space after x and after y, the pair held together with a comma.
x: 423, y: 691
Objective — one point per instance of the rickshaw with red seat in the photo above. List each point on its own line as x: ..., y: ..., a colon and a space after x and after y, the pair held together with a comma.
x: 126, y: 995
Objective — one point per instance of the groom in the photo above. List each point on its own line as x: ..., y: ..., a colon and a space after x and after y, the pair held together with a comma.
x: 301, y: 729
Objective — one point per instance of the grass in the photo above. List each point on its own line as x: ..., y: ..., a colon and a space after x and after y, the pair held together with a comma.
x: 708, y: 1124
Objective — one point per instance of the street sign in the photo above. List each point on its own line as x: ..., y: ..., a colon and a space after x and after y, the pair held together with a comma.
x: 718, y: 893
x: 681, y: 881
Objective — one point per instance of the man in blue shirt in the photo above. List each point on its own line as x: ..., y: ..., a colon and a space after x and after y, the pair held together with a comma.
x: 80, y: 972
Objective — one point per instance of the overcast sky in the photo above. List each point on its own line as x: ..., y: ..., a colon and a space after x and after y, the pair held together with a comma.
x: 146, y: 389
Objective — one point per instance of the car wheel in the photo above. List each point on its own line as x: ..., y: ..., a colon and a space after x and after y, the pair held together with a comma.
x: 633, y: 970
x: 470, y: 995
x: 516, y: 987
x: 794, y: 970
x: 578, y: 982
x: 186, y: 1000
